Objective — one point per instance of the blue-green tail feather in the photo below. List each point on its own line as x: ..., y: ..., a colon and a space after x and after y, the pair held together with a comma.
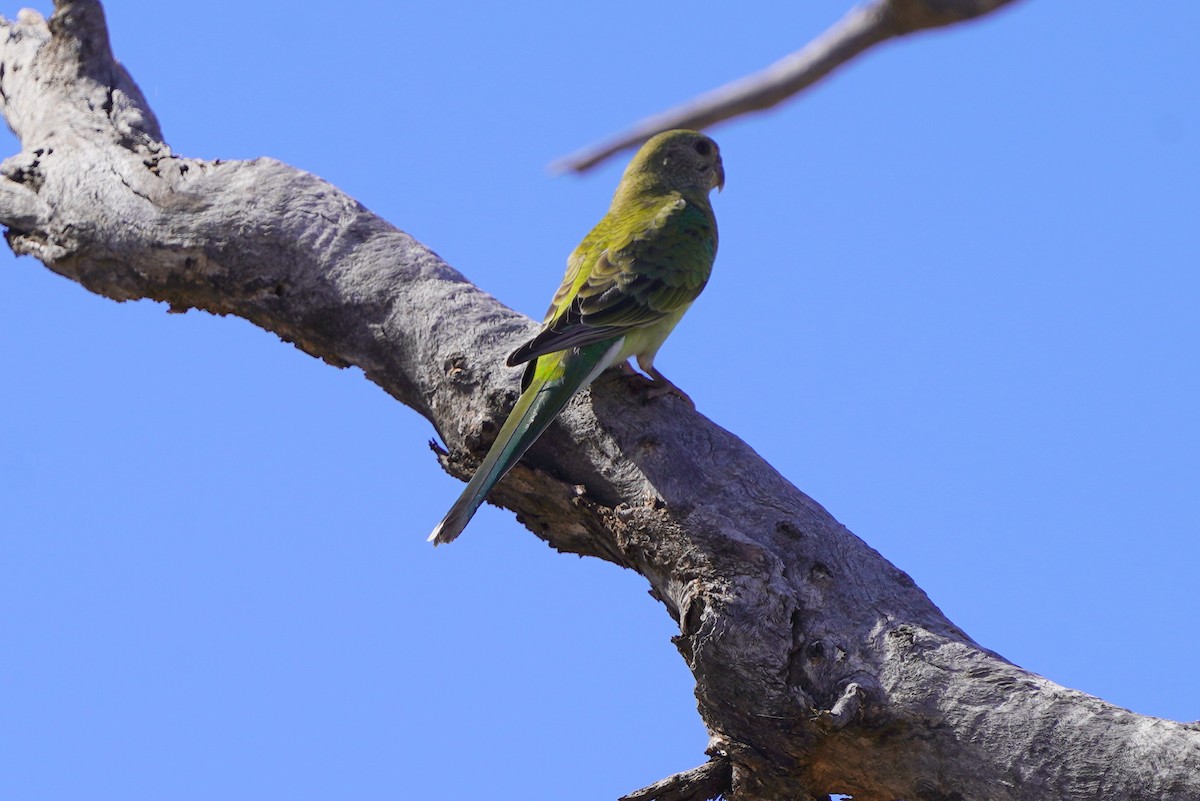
x: 537, y: 407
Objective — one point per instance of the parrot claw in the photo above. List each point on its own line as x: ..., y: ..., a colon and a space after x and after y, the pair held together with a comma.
x: 661, y: 385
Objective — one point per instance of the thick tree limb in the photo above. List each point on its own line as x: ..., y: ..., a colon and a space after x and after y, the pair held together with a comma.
x: 862, y: 28
x: 819, y: 666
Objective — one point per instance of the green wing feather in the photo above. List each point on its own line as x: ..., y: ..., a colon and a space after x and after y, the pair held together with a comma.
x: 633, y: 270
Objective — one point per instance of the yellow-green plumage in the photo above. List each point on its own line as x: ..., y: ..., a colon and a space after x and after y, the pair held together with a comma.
x: 628, y: 283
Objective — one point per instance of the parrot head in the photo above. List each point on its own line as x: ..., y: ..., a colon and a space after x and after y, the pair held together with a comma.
x: 679, y: 160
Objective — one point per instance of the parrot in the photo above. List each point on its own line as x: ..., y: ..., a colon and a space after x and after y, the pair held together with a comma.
x: 627, y: 285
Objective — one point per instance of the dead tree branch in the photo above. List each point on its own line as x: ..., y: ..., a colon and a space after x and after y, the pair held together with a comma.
x: 862, y: 28
x: 819, y: 666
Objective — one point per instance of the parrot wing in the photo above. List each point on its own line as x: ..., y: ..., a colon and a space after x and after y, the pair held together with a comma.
x: 631, y: 271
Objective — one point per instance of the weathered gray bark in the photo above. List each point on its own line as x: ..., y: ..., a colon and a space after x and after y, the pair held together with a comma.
x: 819, y: 666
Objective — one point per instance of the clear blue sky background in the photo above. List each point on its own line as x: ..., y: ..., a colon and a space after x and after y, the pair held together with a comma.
x: 956, y: 302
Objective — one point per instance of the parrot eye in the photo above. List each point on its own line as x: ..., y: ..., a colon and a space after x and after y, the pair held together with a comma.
x: 703, y: 147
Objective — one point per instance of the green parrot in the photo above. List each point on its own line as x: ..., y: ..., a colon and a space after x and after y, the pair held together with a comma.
x: 627, y: 285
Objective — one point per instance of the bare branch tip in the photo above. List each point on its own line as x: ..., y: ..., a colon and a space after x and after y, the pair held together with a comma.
x: 583, y: 160
x: 713, y: 779
x: 861, y: 28
x: 30, y: 16
x: 79, y: 11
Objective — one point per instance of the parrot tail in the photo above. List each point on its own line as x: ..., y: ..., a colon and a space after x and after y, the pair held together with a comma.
x: 539, y: 404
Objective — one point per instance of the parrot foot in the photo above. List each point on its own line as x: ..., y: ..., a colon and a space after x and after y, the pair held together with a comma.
x: 661, y: 385
x: 658, y: 385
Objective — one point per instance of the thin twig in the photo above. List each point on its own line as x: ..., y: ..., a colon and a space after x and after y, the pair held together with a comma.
x: 862, y: 28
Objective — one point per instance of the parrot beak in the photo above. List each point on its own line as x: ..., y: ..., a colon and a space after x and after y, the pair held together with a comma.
x: 719, y: 176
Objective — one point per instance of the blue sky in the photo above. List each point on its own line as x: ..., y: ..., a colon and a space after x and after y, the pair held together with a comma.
x: 956, y: 302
